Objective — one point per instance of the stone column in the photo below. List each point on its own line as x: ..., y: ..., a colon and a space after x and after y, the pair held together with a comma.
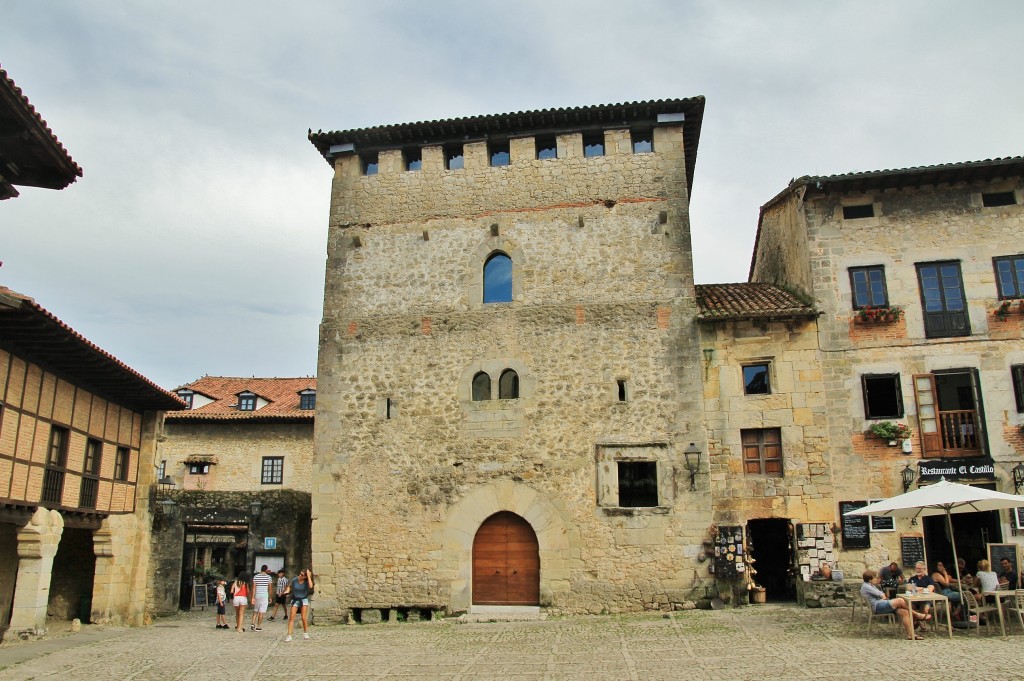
x: 37, y: 545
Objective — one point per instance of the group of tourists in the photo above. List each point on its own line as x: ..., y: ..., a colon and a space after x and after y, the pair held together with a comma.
x: 890, y: 577
x: 290, y: 594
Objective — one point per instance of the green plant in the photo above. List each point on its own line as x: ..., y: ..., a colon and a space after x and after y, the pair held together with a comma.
x: 887, y: 430
x: 1003, y: 311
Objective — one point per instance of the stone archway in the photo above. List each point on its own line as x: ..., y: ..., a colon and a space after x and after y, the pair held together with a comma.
x: 554, y: 539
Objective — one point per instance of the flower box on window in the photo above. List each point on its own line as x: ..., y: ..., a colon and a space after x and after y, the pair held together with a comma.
x: 879, y: 315
x: 891, y: 432
x: 1008, y: 307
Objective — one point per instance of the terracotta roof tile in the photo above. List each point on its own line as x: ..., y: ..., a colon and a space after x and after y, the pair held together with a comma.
x: 281, y: 393
x: 34, y: 333
x: 719, y: 302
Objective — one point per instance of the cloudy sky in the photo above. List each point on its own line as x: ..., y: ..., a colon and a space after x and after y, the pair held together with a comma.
x: 195, y: 242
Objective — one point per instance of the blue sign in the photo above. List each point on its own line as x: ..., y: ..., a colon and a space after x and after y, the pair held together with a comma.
x: 270, y: 542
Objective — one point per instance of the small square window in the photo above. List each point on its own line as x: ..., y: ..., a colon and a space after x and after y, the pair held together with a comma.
x: 762, y: 451
x: 413, y: 158
x: 454, y: 157
x: 547, y: 147
x: 593, y: 144
x: 883, y: 398
x: 247, y: 402
x: 642, y: 141
x: 993, y: 199
x: 199, y: 468
x: 864, y: 210
x: 1009, y: 276
x: 307, y: 400
x: 867, y: 284
x: 370, y: 163
x: 499, y: 154
x: 638, y: 483
x: 273, y: 470
x: 756, y: 380
x: 1017, y: 373
x: 121, y: 461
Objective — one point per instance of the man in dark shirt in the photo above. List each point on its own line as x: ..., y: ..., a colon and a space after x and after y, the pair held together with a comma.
x: 923, y: 582
x: 891, y: 575
x: 1008, y: 576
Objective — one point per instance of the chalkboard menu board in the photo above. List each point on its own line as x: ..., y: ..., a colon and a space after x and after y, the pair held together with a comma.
x: 856, y: 528
x: 200, y: 596
x: 996, y: 552
x: 729, y: 552
x: 912, y: 549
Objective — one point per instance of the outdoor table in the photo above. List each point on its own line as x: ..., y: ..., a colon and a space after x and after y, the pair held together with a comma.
x: 998, y: 596
x: 934, y: 598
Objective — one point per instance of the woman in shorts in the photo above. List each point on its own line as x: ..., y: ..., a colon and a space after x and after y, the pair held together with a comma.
x: 240, y: 599
x: 300, y: 589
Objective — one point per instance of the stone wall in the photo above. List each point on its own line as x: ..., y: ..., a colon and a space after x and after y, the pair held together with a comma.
x: 602, y: 292
x: 237, y: 447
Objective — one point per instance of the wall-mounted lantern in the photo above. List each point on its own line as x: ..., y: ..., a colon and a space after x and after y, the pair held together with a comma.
x: 692, y: 455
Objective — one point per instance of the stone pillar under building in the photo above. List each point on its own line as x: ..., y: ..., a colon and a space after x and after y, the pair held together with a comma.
x: 37, y: 545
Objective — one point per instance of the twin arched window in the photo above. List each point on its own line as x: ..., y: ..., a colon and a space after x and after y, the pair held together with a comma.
x: 498, y: 279
x: 508, y: 386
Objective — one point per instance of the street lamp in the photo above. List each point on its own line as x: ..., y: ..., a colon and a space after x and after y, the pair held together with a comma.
x: 1018, y: 477
x: 255, y: 508
x: 908, y: 478
x: 692, y: 454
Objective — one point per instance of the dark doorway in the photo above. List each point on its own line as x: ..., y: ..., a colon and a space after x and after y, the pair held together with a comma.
x: 71, y: 578
x: 972, y: 532
x: 770, y: 543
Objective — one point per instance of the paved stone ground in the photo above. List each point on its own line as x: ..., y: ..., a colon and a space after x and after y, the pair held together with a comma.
x: 767, y: 642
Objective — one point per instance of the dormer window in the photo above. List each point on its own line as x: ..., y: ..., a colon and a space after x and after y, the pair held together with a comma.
x: 307, y: 400
x: 186, y: 396
x: 247, y: 402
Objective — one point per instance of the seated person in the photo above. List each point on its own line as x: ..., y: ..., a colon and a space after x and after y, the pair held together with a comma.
x: 923, y: 582
x: 1008, y: 576
x: 985, y: 579
x: 880, y: 605
x: 946, y: 584
x: 965, y: 576
x: 891, y: 576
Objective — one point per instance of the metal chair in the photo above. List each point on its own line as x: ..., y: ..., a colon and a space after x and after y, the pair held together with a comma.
x: 1016, y: 606
x: 872, y: 615
x: 973, y: 608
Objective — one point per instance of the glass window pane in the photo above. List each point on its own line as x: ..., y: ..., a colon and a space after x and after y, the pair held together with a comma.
x: 498, y: 279
x: 755, y: 379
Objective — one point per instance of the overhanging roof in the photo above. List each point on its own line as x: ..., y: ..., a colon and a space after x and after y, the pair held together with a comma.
x: 36, y: 335
x: 543, y: 121
x: 30, y: 154
x: 744, y: 301
x: 941, y: 174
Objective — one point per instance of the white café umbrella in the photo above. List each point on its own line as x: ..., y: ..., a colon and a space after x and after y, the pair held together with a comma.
x: 942, y: 498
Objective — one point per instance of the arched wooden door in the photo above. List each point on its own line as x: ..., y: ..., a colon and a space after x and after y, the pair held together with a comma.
x: 506, y: 562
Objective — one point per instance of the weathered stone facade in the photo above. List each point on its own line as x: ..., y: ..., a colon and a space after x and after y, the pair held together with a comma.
x: 908, y: 220
x: 599, y: 329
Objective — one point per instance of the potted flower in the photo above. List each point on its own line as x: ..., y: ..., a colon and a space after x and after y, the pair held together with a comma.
x: 1003, y: 311
x: 890, y: 432
x: 882, y: 314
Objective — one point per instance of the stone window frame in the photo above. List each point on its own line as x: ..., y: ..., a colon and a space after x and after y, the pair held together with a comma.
x: 762, y: 460
x: 638, y: 136
x: 607, y: 457
x: 494, y: 368
x: 769, y: 370
x: 850, y: 201
x: 475, y: 269
x: 369, y: 163
x: 898, y: 386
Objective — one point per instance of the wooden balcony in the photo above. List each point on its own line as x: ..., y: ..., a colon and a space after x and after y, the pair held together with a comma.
x: 960, y: 432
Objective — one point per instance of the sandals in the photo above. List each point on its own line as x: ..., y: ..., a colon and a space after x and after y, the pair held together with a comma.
x: 917, y: 637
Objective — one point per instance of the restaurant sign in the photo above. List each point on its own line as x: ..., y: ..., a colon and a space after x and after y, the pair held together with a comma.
x: 972, y: 468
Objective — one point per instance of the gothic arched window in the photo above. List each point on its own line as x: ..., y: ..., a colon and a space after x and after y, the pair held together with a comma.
x: 508, y: 385
x: 481, y: 387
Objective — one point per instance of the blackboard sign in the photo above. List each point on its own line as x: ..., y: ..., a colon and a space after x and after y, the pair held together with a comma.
x: 996, y: 552
x: 1018, y: 517
x: 856, y: 529
x: 200, y: 596
x: 729, y: 552
x: 912, y: 549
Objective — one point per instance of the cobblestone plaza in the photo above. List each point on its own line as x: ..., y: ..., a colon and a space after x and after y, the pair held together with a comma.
x: 767, y: 642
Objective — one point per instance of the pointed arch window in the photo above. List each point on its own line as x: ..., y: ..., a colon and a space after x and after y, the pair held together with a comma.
x: 508, y: 385
x: 481, y: 387
x: 498, y: 279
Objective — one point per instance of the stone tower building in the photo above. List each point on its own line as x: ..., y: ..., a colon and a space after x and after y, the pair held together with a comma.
x: 509, y: 372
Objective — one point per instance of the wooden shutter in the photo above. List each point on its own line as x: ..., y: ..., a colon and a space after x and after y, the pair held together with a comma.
x: 927, y: 413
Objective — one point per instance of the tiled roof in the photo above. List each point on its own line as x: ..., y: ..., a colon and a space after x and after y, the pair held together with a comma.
x: 30, y: 154
x: 721, y: 302
x: 37, y: 335
x: 943, y: 173
x: 281, y: 393
x: 473, y: 128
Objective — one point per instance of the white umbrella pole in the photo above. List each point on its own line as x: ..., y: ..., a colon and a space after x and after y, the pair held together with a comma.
x: 956, y: 564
